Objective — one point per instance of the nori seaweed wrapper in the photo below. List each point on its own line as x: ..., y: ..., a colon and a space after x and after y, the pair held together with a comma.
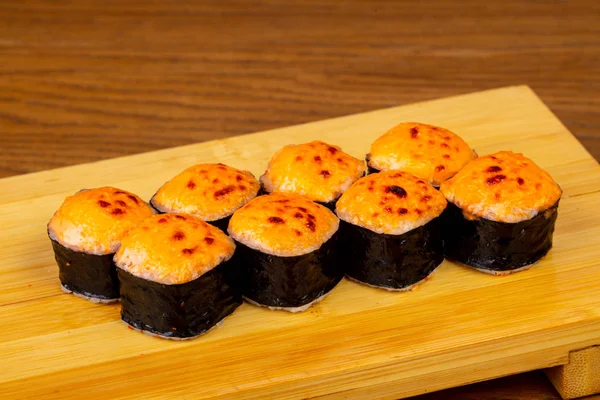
x: 392, y: 261
x: 90, y: 275
x: 497, y: 246
x: 221, y: 223
x: 179, y: 311
x: 330, y: 205
x: 288, y: 282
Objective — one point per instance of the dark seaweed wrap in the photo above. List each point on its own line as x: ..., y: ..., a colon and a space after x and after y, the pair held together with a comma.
x: 90, y: 275
x: 221, y: 223
x: 288, y: 282
x: 391, y: 261
x: 330, y: 205
x: 497, y: 246
x: 179, y: 311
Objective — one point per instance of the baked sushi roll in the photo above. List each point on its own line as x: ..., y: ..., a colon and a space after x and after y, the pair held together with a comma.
x: 286, y: 251
x: 430, y: 153
x: 86, y: 231
x: 316, y: 170
x: 501, y: 213
x: 390, y: 227
x: 211, y: 192
x: 176, y: 276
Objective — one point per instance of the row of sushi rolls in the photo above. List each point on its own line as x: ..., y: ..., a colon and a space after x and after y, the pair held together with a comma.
x: 214, y: 235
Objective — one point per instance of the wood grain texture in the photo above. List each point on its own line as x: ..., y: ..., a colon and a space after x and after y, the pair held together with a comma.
x: 82, y: 80
x: 460, y: 327
x: 580, y: 377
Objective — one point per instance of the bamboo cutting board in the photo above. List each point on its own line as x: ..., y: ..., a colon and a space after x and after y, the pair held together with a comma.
x: 460, y: 327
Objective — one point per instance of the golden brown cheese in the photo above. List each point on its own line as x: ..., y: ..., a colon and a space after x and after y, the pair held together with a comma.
x: 503, y: 187
x: 95, y: 220
x: 207, y: 191
x: 317, y: 170
x: 173, y: 249
x: 283, y: 224
x: 428, y: 152
x: 390, y: 202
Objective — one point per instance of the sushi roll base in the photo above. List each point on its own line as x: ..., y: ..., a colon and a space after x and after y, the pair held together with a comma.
x: 502, y: 273
x: 89, y: 276
x: 89, y: 298
x: 159, y: 309
x: 495, y: 247
x: 409, y: 288
x: 149, y: 333
x: 288, y: 309
x: 288, y: 283
x: 392, y: 262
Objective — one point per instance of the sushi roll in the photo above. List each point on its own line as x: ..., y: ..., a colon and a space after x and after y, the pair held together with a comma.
x: 501, y: 213
x: 430, y: 153
x: 390, y: 227
x: 211, y: 192
x: 286, y: 251
x: 86, y: 231
x: 176, y: 277
x: 317, y: 170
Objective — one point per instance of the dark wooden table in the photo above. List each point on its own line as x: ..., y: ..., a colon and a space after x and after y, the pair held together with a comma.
x: 85, y: 80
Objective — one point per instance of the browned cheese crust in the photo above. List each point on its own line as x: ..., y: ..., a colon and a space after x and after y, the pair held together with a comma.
x: 173, y: 249
x: 283, y: 224
x: 207, y: 191
x: 390, y: 202
x: 429, y: 152
x: 502, y: 187
x: 317, y: 170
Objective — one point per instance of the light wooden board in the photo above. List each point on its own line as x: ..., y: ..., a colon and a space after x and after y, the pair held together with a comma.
x: 460, y: 327
x: 580, y: 377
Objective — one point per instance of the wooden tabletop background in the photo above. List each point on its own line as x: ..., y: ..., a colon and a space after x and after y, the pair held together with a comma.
x: 86, y: 80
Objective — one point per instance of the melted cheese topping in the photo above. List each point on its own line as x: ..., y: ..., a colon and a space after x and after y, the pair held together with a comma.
x: 283, y: 224
x: 173, y: 249
x: 428, y: 152
x: 391, y: 202
x: 503, y: 187
x: 317, y: 170
x: 95, y: 220
x: 207, y: 191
